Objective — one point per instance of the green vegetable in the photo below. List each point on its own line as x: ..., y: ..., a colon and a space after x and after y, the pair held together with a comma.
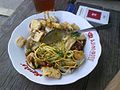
x: 75, y: 34
x: 60, y: 53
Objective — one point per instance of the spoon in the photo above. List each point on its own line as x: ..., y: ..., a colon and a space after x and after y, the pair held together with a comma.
x: 57, y: 35
x: 53, y: 36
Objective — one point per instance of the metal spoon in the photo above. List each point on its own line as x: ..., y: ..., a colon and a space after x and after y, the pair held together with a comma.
x: 53, y: 36
x: 57, y: 35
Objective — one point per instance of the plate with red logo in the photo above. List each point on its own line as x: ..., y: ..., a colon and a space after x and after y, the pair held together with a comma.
x: 92, y: 50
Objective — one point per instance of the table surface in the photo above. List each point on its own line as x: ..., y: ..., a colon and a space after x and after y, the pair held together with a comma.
x: 108, y: 66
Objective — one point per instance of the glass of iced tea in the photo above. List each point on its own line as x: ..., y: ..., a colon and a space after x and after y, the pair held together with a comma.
x: 44, y: 5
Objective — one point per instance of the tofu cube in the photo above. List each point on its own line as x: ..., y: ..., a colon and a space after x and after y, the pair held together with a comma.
x: 37, y: 36
x: 20, y: 41
x: 51, y: 72
x: 35, y: 25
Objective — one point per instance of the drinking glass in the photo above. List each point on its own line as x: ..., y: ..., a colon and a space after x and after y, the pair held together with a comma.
x: 44, y: 5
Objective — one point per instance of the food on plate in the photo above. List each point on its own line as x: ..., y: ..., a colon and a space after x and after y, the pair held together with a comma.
x: 37, y: 35
x: 35, y: 25
x: 51, y: 72
x: 20, y: 41
x: 57, y: 58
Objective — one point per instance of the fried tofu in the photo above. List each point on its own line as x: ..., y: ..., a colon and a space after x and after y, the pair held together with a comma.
x: 51, y: 72
x: 35, y: 25
x: 56, y: 25
x: 43, y: 23
x: 37, y: 36
x: 20, y: 41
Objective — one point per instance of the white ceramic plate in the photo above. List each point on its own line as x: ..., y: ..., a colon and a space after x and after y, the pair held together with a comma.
x: 92, y: 50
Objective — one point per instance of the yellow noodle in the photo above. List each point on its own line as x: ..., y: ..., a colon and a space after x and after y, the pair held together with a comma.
x: 49, y: 51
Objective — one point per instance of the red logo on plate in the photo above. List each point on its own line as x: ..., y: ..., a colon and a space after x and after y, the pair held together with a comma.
x: 94, y: 14
x: 90, y: 35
